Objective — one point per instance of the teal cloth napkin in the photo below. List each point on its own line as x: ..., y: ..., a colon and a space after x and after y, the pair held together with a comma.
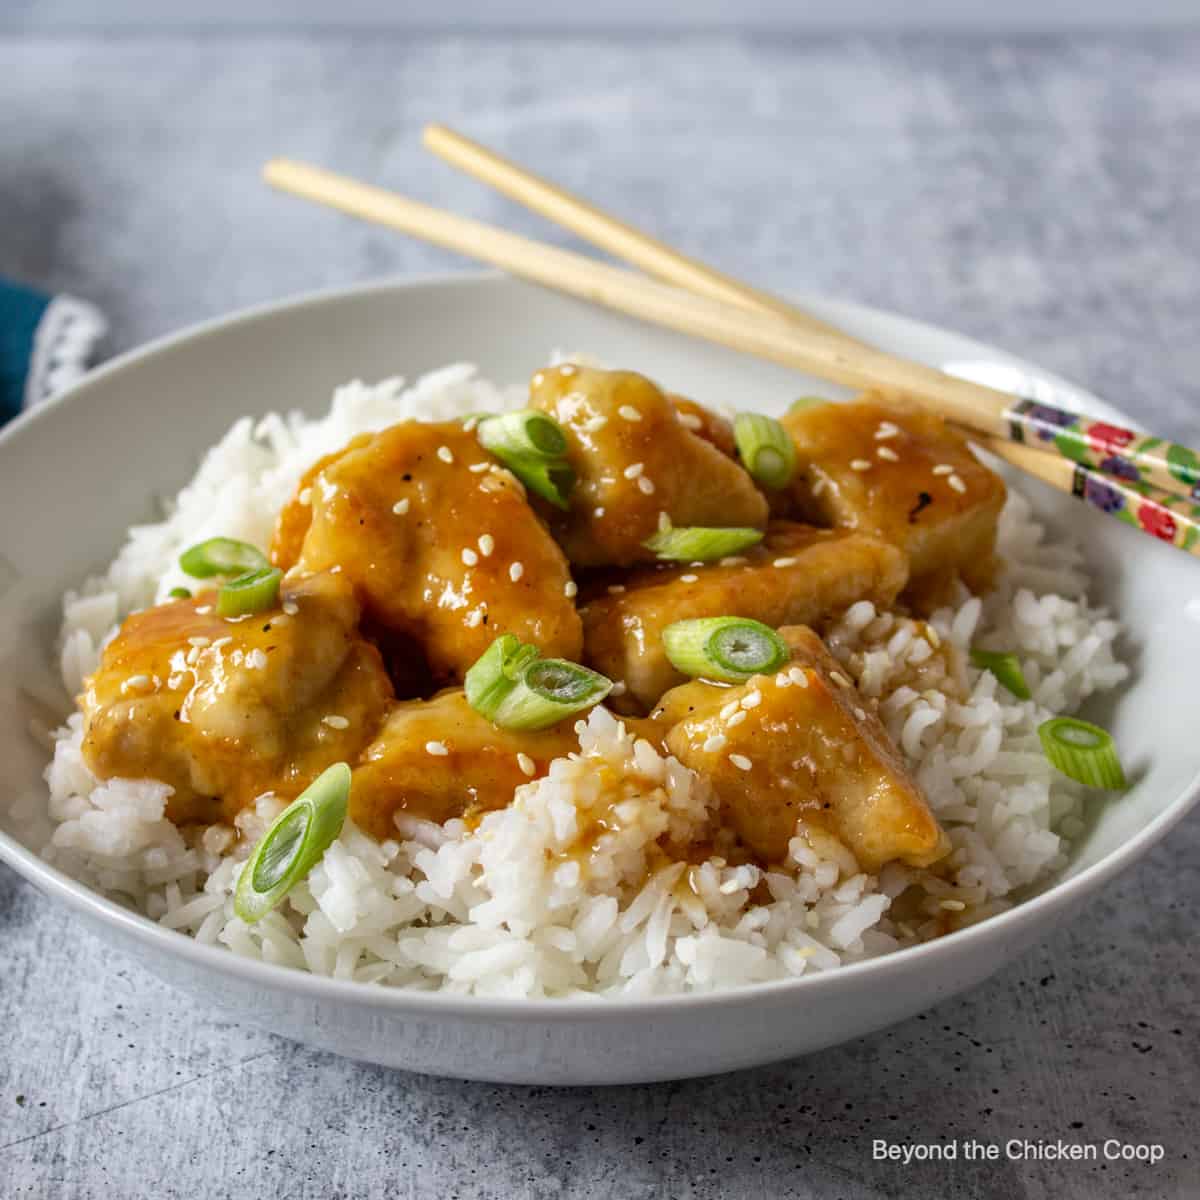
x: 46, y: 343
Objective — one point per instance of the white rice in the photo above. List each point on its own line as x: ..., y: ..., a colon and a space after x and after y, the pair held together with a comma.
x: 508, y: 909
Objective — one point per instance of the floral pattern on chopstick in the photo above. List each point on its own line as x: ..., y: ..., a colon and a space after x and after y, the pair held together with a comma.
x: 1167, y: 470
x: 1165, y: 515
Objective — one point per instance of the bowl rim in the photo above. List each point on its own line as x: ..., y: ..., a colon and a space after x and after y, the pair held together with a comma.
x: 80, y: 898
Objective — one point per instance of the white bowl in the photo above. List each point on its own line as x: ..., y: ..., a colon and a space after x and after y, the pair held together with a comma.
x: 75, y: 474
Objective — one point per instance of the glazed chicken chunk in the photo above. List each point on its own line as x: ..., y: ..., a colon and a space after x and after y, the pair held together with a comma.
x: 881, y: 466
x: 635, y: 458
x: 226, y: 709
x: 796, y: 575
x: 437, y: 759
x: 802, y: 744
x: 438, y: 539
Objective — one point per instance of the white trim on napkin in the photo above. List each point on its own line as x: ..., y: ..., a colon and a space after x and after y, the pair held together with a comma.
x: 66, y: 337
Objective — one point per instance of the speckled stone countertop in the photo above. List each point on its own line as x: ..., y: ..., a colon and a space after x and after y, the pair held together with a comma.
x: 1041, y: 194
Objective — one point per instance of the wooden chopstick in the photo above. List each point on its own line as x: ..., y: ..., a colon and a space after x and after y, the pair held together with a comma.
x: 981, y: 409
x: 1160, y: 464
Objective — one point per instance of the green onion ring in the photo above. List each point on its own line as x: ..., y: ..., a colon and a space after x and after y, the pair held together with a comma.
x: 766, y: 449
x: 221, y: 556
x: 1082, y: 751
x: 523, y: 434
x: 514, y: 688
x: 179, y: 593
x: 552, y: 481
x: 696, y: 543
x: 730, y: 649
x: 251, y: 593
x: 294, y: 844
x: 1007, y: 669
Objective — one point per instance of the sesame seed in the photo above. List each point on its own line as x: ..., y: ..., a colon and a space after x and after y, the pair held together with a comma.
x: 516, y: 571
x: 256, y: 660
x: 479, y: 467
x: 445, y: 454
x: 437, y: 749
x: 335, y: 722
x: 474, y: 618
x: 819, y: 485
x: 469, y: 424
x: 955, y: 481
x: 752, y: 699
x: 729, y: 710
x: 737, y: 718
x: 886, y: 430
x: 799, y: 676
x: 634, y: 470
x: 594, y: 424
x: 487, y: 544
x: 598, y: 513
x: 781, y: 680
x: 732, y: 560
x: 688, y: 578
x: 469, y: 557
x: 887, y: 453
x: 305, y: 496
x: 224, y: 641
x: 840, y: 679
x: 400, y: 507
x: 645, y: 486
x: 203, y: 610
x: 953, y: 905
x: 741, y: 762
x: 291, y: 607
x: 616, y: 589
x: 619, y: 688
x: 527, y: 765
x: 198, y: 641
x: 135, y: 681
x: 860, y: 464
x: 538, y: 379
x: 784, y: 562
x: 629, y: 413
x: 570, y: 589
x: 714, y: 744
x: 690, y: 420
x: 943, y: 469
x: 567, y: 370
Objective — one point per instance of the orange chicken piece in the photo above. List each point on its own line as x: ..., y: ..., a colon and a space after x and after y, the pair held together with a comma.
x: 437, y: 759
x: 226, y: 709
x: 438, y: 539
x: 881, y: 466
x: 797, y: 574
x: 635, y: 459
x: 802, y: 744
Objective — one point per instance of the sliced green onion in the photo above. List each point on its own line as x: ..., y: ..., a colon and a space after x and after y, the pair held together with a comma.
x: 515, y: 689
x: 1083, y: 751
x: 766, y: 449
x: 803, y: 402
x: 524, y: 434
x: 179, y: 593
x: 726, y: 648
x: 695, y: 543
x: 495, y: 673
x: 249, y: 594
x: 295, y: 843
x: 552, y: 480
x: 1007, y: 669
x: 221, y: 556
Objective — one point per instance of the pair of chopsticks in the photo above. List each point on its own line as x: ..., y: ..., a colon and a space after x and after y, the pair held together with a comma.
x: 1137, y: 478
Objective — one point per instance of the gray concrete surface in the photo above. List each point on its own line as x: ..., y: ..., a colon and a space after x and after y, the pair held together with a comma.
x: 1039, y: 193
